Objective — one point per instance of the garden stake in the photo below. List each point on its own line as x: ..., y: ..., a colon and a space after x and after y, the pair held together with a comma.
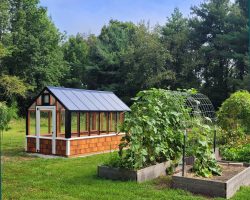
x: 214, y: 140
x: 184, y: 152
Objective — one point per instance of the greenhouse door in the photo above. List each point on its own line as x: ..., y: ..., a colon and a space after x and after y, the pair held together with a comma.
x: 53, y: 126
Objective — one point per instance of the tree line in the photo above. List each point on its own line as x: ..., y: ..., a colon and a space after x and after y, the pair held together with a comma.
x: 207, y: 51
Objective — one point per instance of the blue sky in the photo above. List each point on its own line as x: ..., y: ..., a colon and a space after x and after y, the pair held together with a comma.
x: 88, y: 16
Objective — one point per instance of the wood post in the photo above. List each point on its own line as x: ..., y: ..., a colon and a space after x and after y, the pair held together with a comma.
x: 89, y: 123
x: 110, y: 121
x: 78, y: 124
x: 27, y: 122
x: 94, y: 121
x: 67, y: 124
x: 116, y: 122
x: 101, y: 116
x: 49, y: 122
x: 107, y: 122
x: 59, y: 121
x: 99, y: 121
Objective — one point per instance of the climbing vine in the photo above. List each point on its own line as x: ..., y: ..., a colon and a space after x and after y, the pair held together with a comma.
x: 154, y: 131
x: 200, y: 146
x: 154, y: 128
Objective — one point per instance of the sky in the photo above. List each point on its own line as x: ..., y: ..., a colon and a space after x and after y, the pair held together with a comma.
x: 89, y: 16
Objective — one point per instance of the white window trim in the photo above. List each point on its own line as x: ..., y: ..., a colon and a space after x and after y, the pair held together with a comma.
x: 78, y: 138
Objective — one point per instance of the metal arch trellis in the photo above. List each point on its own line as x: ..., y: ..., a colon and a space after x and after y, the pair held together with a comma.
x: 200, y: 106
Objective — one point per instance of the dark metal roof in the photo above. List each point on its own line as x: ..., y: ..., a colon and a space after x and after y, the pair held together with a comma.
x: 88, y: 100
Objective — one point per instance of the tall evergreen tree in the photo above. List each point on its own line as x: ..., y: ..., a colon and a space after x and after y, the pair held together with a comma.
x: 175, y: 35
x: 106, y: 53
x: 216, y: 28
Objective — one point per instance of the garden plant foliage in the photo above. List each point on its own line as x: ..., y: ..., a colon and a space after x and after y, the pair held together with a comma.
x: 155, y: 129
x: 240, y: 153
x: 6, y: 114
x: 200, y: 145
x: 234, y: 117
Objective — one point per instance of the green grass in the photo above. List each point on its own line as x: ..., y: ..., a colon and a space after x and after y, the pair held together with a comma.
x: 26, y: 177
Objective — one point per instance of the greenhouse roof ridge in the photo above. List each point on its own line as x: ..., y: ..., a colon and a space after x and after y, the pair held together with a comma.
x: 66, y: 88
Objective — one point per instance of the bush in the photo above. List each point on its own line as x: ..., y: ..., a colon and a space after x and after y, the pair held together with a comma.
x: 234, y: 116
x: 6, y: 114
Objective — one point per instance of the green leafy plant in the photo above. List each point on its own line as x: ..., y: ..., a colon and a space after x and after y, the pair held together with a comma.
x: 234, y: 117
x: 154, y: 133
x: 154, y: 128
x: 6, y: 114
x: 200, y: 146
x: 240, y: 153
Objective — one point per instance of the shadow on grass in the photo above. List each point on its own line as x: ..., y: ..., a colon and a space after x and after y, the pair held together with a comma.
x: 162, y: 182
x: 17, y: 153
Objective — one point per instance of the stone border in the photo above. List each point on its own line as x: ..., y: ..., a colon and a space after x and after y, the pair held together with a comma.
x: 214, y: 188
x: 141, y: 175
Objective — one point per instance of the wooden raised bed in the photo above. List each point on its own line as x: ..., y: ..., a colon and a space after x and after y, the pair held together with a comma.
x: 234, y: 176
x: 141, y: 175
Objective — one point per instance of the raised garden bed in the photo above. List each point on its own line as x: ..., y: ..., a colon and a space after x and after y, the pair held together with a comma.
x: 141, y: 175
x: 234, y: 175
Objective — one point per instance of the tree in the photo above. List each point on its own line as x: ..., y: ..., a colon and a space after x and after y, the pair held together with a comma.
x: 105, y: 69
x: 4, y: 17
x: 76, y: 54
x: 11, y: 87
x: 175, y: 35
x: 216, y: 26
x: 144, y: 62
x: 34, y: 41
x: 6, y: 114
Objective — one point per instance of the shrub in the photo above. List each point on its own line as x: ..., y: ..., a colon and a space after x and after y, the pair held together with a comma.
x: 6, y: 113
x: 234, y: 116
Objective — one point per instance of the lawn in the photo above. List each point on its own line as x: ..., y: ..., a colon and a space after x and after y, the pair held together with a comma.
x: 26, y: 177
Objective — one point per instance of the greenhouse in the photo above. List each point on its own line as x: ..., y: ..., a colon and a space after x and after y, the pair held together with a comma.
x: 72, y: 122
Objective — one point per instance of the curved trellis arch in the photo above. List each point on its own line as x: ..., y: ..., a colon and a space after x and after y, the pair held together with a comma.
x: 200, y: 104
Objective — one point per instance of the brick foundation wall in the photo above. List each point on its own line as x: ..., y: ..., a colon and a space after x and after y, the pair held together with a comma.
x: 94, y: 145
x: 45, y: 146
x: 77, y: 146
x: 31, y: 145
x: 61, y: 147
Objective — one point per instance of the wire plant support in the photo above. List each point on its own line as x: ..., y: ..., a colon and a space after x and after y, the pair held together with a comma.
x: 200, y: 106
